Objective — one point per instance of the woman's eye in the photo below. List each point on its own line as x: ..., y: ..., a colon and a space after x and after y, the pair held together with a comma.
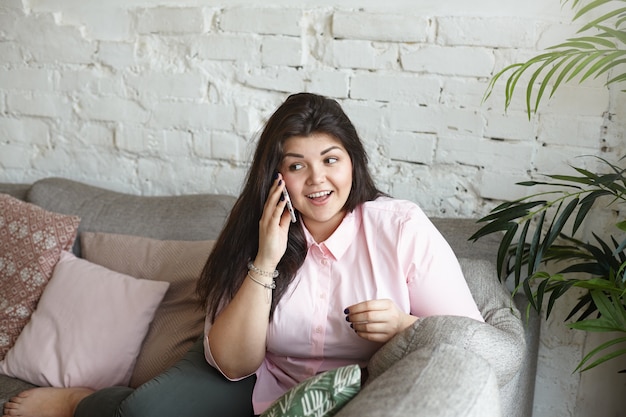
x: 295, y: 167
x: 331, y: 160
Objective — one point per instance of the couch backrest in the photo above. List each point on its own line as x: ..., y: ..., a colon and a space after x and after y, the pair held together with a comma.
x: 186, y: 217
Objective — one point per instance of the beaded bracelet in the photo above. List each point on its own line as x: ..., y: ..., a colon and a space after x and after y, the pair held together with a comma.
x: 270, y: 286
x: 261, y: 272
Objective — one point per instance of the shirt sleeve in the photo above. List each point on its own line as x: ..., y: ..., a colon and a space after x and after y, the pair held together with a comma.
x: 434, y: 277
x: 207, y: 350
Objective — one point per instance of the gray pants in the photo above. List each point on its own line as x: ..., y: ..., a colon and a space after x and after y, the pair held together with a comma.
x: 190, y: 388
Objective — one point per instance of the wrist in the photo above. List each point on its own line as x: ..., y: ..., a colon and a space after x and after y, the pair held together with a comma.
x: 268, y: 268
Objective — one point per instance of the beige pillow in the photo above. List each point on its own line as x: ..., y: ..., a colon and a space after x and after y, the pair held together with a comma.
x: 31, y: 241
x: 178, y: 321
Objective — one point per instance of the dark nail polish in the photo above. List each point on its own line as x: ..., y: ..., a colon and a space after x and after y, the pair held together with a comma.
x: 275, y: 174
x: 346, y: 311
x: 282, y: 197
x: 351, y: 326
x: 280, y: 182
x: 347, y: 318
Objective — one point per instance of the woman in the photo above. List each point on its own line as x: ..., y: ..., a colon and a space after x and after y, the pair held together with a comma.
x: 356, y: 269
x: 287, y: 300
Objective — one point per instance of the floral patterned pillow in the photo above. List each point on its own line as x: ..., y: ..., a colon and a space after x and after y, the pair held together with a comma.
x: 320, y: 396
x: 31, y: 241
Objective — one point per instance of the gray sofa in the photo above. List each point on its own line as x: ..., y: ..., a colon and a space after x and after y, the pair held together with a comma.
x: 502, y: 353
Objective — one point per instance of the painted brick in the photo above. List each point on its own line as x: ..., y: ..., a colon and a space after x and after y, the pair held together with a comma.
x: 117, y: 55
x: 43, y: 105
x: 57, y: 158
x: 412, y: 147
x: 497, y: 156
x: 163, y: 86
x: 514, y: 125
x: 227, y: 47
x: 46, y: 42
x: 10, y: 52
x: 227, y: 146
x: 268, y: 21
x: 201, y: 145
x: 558, y: 159
x: 94, y: 81
x: 287, y: 80
x: 416, y: 118
x: 176, y: 143
x: 113, y: 109
x: 183, y: 115
x: 496, y: 185
x: 580, y: 100
x: 15, y: 155
x: 10, y: 23
x: 364, y: 54
x: 554, y: 34
x: 27, y: 79
x: 464, y: 92
x: 329, y: 83
x: 23, y: 130
x: 139, y: 140
x: 96, y: 135
x: 380, y: 27
x: 368, y: 119
x: 461, y: 61
x: 170, y: 20
x: 509, y: 32
x: 281, y: 51
x: 395, y: 88
x: 99, y: 23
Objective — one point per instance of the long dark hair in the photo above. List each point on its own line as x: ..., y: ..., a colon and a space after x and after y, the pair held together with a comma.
x: 300, y: 115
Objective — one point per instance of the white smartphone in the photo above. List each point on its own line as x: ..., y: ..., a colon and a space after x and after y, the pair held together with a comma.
x: 289, y: 205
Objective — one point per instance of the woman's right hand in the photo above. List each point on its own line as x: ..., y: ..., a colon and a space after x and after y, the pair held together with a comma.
x: 273, y: 228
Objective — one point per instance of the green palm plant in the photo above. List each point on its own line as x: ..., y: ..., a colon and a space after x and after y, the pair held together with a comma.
x: 530, y: 242
x: 540, y: 229
x: 582, y: 56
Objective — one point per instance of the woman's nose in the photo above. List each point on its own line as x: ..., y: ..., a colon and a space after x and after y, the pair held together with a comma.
x: 317, y: 175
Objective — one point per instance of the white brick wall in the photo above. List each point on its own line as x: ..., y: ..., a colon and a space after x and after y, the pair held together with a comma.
x: 155, y: 97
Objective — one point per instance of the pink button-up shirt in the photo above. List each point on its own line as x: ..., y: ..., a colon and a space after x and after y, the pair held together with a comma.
x: 385, y: 248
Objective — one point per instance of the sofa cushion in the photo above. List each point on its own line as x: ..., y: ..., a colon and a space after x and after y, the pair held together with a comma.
x: 322, y: 395
x: 500, y: 340
x: 87, y: 328
x: 178, y: 321
x: 31, y: 241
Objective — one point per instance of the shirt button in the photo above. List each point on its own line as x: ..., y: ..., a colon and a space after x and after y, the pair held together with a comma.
x: 324, y: 262
x: 318, y: 329
x: 323, y: 296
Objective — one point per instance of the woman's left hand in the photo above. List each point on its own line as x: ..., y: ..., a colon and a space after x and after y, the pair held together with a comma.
x: 378, y: 320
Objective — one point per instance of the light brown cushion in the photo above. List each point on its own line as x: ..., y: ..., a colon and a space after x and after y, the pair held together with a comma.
x: 31, y: 241
x: 178, y: 321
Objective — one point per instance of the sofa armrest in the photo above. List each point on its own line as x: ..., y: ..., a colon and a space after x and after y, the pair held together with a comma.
x: 500, y: 340
x: 432, y: 381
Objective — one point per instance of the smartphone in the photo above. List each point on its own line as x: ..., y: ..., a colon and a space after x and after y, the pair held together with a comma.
x: 289, y: 205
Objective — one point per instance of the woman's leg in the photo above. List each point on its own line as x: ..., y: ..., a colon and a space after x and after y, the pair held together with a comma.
x: 190, y: 388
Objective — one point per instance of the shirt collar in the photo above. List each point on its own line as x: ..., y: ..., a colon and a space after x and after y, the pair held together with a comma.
x: 342, y: 237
